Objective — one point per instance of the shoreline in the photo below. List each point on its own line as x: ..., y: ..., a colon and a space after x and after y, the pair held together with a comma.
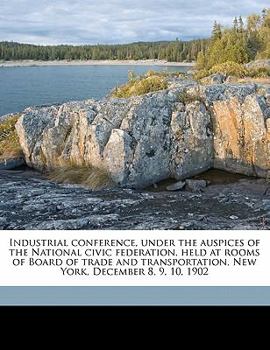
x: 32, y: 63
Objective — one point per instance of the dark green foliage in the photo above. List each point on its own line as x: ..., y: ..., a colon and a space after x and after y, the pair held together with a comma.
x: 216, y: 32
x: 240, y: 44
x: 177, y: 51
x: 230, y: 69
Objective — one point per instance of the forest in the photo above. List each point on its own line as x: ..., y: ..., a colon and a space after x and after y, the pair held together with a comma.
x: 243, y: 42
x: 172, y: 51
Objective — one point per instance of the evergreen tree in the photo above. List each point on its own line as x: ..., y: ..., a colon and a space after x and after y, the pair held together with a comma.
x: 241, y: 25
x: 264, y: 35
x: 253, y: 38
x: 235, y: 24
x: 216, y: 31
x: 240, y: 44
x: 168, y: 50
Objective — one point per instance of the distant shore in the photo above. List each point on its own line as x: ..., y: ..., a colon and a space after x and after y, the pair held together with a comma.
x: 32, y: 63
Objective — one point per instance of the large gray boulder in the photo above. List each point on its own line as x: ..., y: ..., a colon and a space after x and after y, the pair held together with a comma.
x: 139, y: 141
x: 174, y: 133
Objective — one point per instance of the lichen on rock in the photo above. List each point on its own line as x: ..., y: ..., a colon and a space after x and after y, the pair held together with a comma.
x: 144, y: 139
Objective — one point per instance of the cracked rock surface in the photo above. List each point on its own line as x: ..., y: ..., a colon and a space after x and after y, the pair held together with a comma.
x: 178, y: 132
x: 29, y: 201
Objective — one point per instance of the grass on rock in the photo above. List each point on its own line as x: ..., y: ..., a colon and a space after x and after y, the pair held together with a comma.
x: 259, y: 72
x: 235, y: 70
x: 230, y: 68
x: 87, y: 176
x: 141, y: 85
x: 9, y: 142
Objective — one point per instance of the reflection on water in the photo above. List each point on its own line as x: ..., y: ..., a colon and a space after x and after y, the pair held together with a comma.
x: 219, y: 177
x: 214, y: 176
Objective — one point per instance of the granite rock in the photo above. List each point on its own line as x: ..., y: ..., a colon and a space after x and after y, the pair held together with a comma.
x: 175, y: 133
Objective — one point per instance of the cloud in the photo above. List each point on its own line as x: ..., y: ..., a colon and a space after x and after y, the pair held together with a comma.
x: 116, y: 21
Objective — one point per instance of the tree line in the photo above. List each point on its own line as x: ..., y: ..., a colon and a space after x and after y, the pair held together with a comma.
x: 172, y: 51
x: 242, y: 43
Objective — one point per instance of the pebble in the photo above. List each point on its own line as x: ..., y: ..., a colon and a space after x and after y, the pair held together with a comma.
x: 176, y: 186
x: 196, y: 185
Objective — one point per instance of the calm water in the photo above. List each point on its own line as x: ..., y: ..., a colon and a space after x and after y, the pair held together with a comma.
x: 21, y: 87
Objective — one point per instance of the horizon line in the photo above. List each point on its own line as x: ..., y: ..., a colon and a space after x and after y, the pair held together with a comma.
x: 107, y: 44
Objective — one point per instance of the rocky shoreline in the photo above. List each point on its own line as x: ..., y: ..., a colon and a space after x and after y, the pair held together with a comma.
x: 178, y: 135
x: 30, y: 201
x: 34, y: 63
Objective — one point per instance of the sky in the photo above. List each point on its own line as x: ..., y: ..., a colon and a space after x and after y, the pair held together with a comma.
x: 116, y: 21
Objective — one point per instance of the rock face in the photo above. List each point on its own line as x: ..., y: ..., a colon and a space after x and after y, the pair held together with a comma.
x: 139, y: 141
x: 29, y: 201
x: 176, y: 186
x: 217, y: 78
x: 242, y: 136
x: 177, y: 133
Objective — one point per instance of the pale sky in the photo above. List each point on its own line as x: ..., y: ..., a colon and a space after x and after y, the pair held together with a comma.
x: 116, y: 21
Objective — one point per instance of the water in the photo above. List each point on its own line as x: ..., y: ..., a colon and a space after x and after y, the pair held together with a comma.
x: 213, y: 176
x: 21, y: 87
